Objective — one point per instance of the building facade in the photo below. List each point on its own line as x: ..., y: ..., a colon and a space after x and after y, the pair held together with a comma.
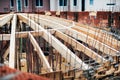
x: 59, y: 5
x: 85, y: 5
x: 24, y: 5
x: 102, y: 5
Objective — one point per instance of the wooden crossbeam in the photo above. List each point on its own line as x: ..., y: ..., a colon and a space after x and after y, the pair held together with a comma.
x: 80, y: 47
x: 2, y: 15
x: 23, y: 34
x: 79, y: 35
x: 40, y: 53
x: 61, y: 48
x: 5, y: 19
x: 4, y: 37
x: 12, y: 43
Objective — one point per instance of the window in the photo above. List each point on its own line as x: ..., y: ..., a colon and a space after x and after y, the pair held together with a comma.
x: 39, y: 3
x: 111, y: 4
x: 75, y: 2
x: 11, y: 3
x: 91, y: 2
x: 62, y: 2
x: 25, y: 3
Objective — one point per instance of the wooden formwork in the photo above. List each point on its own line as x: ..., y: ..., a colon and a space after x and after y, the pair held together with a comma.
x: 68, y: 38
x: 56, y: 75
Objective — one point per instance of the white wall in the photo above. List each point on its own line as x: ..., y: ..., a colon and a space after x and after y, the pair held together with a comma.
x: 117, y: 6
x: 100, y: 5
x: 75, y: 8
x: 54, y: 6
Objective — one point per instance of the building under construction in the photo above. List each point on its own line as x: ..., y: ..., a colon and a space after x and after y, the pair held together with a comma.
x: 59, y: 40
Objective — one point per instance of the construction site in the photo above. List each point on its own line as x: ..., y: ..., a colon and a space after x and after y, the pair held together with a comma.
x: 60, y: 45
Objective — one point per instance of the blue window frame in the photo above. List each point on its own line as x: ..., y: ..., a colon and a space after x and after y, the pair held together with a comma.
x: 91, y: 2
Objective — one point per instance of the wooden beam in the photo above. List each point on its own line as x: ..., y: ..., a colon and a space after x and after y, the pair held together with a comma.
x: 4, y: 37
x: 5, y: 19
x: 79, y: 35
x: 2, y: 15
x: 12, y: 43
x: 23, y: 34
x: 92, y: 42
x: 78, y: 46
x: 40, y: 53
x: 61, y: 48
x: 102, y: 36
x: 6, y: 53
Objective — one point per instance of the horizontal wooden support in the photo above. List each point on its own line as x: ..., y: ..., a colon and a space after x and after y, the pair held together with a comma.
x: 46, y: 65
x: 1, y: 16
x: 56, y: 75
x: 61, y: 48
x: 78, y: 46
x: 79, y: 35
x: 23, y: 34
x: 4, y: 37
x: 12, y: 43
x: 5, y: 19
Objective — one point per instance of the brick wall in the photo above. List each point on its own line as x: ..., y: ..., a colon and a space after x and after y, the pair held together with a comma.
x: 4, y: 6
x: 101, y: 20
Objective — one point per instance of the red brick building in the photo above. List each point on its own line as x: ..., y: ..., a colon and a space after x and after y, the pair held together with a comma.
x: 24, y: 5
